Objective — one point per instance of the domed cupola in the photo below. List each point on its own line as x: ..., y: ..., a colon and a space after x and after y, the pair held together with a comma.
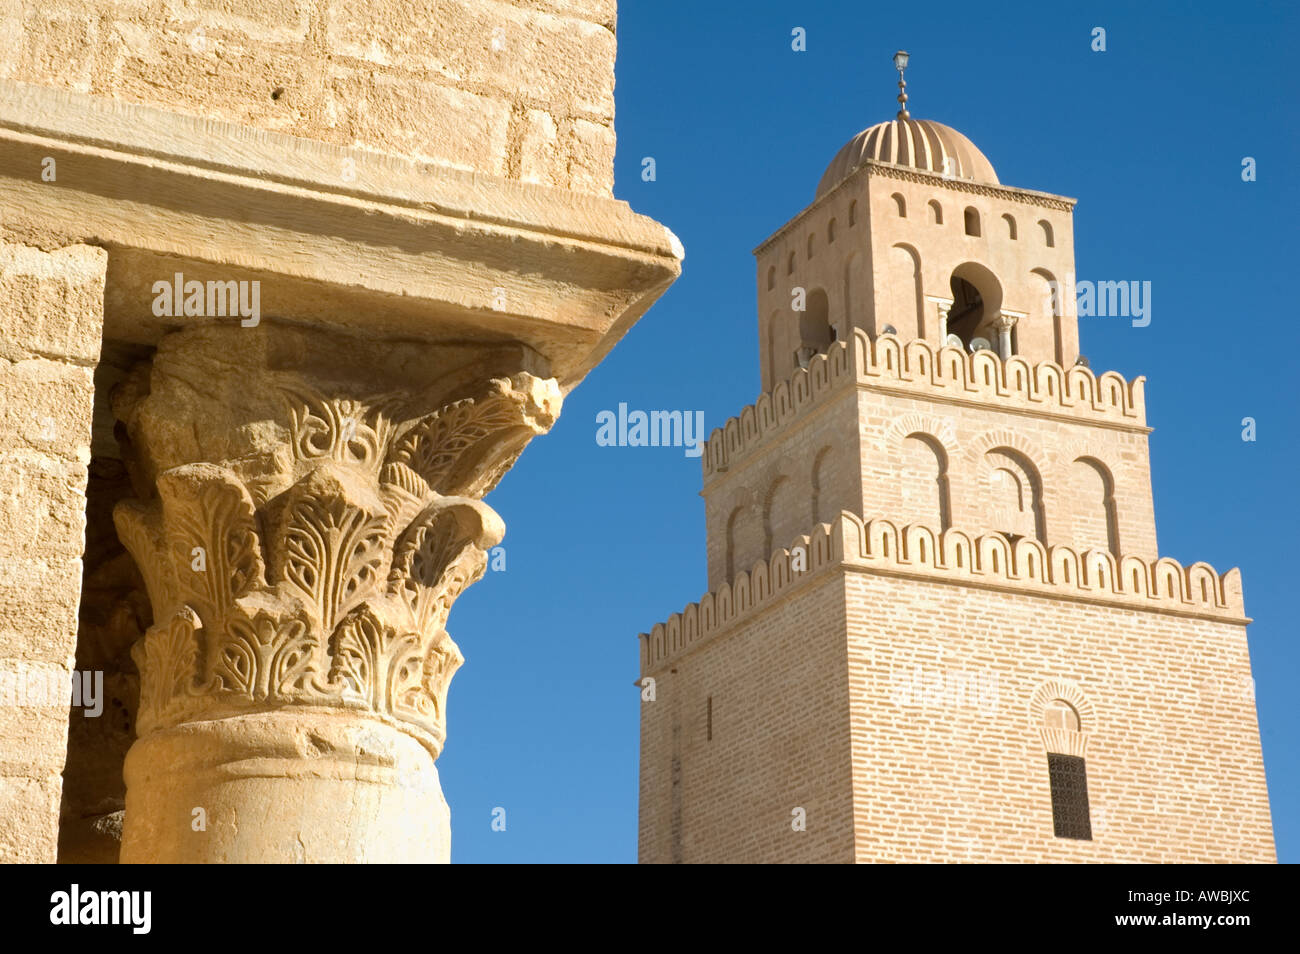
x: 918, y: 143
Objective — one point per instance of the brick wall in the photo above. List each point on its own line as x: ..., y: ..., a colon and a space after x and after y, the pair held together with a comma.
x: 939, y: 688
x: 779, y: 689
x: 958, y: 770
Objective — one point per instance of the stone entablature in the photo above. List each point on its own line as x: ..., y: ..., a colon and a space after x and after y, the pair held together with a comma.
x: 953, y: 556
x: 1044, y: 389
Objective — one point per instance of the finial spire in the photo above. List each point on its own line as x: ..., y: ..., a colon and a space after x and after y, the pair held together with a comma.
x: 900, y: 64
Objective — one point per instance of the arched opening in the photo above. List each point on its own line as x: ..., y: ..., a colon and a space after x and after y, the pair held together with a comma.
x: 771, y: 351
x: 976, y: 304
x: 853, y: 212
x: 732, y: 525
x: 1092, y: 492
x: 850, y: 275
x: 820, y: 472
x: 902, y: 300
x: 1059, y: 714
x: 775, y: 510
x: 1052, y: 308
x: 1048, y: 239
x: 830, y: 231
x: 972, y: 218
x: 1011, y: 225
x: 789, y: 264
x: 901, y: 205
x: 815, y: 331
x: 1014, y: 495
x: 923, y: 482
x: 810, y: 246
x: 936, y: 212
x: 1067, y: 772
x: 771, y: 277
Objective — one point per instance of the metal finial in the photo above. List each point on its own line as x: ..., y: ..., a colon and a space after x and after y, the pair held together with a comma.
x: 900, y: 64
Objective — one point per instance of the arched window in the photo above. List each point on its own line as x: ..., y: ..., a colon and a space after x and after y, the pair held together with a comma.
x: 853, y: 213
x: 815, y: 331
x: 810, y: 246
x: 1067, y: 773
x: 1048, y: 239
x: 1014, y: 495
x: 732, y: 522
x: 830, y: 231
x: 1011, y: 226
x: 936, y: 212
x: 922, y: 478
x: 771, y: 277
x: 901, y: 203
x: 789, y: 265
x: 1092, y: 497
x: 821, y: 470
x: 972, y: 221
x: 778, y: 507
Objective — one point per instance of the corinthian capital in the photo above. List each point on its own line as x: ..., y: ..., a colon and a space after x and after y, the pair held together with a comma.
x: 303, y: 536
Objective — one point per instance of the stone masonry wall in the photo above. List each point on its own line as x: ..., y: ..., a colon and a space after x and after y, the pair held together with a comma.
x: 51, y: 312
x: 522, y: 89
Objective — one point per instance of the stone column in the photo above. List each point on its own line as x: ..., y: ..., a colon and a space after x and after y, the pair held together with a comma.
x: 308, y: 510
x: 1004, y: 324
x: 942, y: 307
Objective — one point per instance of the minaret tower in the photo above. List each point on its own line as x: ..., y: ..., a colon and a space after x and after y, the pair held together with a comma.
x: 937, y: 626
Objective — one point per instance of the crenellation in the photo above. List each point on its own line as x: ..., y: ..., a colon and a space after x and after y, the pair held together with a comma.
x: 1044, y: 388
x: 956, y: 557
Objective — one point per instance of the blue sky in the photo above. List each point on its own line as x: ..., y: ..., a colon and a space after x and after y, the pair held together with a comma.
x: 1148, y: 136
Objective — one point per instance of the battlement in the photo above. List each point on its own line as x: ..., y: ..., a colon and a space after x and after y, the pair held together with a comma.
x: 953, y: 556
x: 916, y: 368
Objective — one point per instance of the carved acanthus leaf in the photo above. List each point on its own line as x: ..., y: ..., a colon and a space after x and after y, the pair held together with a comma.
x: 212, y: 537
x: 465, y: 448
x: 330, y: 542
x: 168, y: 661
x: 343, y: 430
x: 267, y: 657
x: 442, y: 552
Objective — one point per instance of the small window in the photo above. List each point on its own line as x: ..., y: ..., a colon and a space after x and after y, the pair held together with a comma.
x: 708, y: 719
x: 789, y: 265
x: 1046, y: 226
x: 810, y: 246
x: 936, y: 212
x: 972, y: 221
x: 830, y: 232
x: 1011, y: 226
x: 771, y: 277
x: 901, y: 203
x: 853, y: 212
x: 1070, y: 814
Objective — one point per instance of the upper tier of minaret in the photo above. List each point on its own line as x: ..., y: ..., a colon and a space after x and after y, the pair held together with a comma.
x: 911, y: 232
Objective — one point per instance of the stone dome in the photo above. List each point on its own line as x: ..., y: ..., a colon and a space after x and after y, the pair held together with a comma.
x: 918, y: 143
